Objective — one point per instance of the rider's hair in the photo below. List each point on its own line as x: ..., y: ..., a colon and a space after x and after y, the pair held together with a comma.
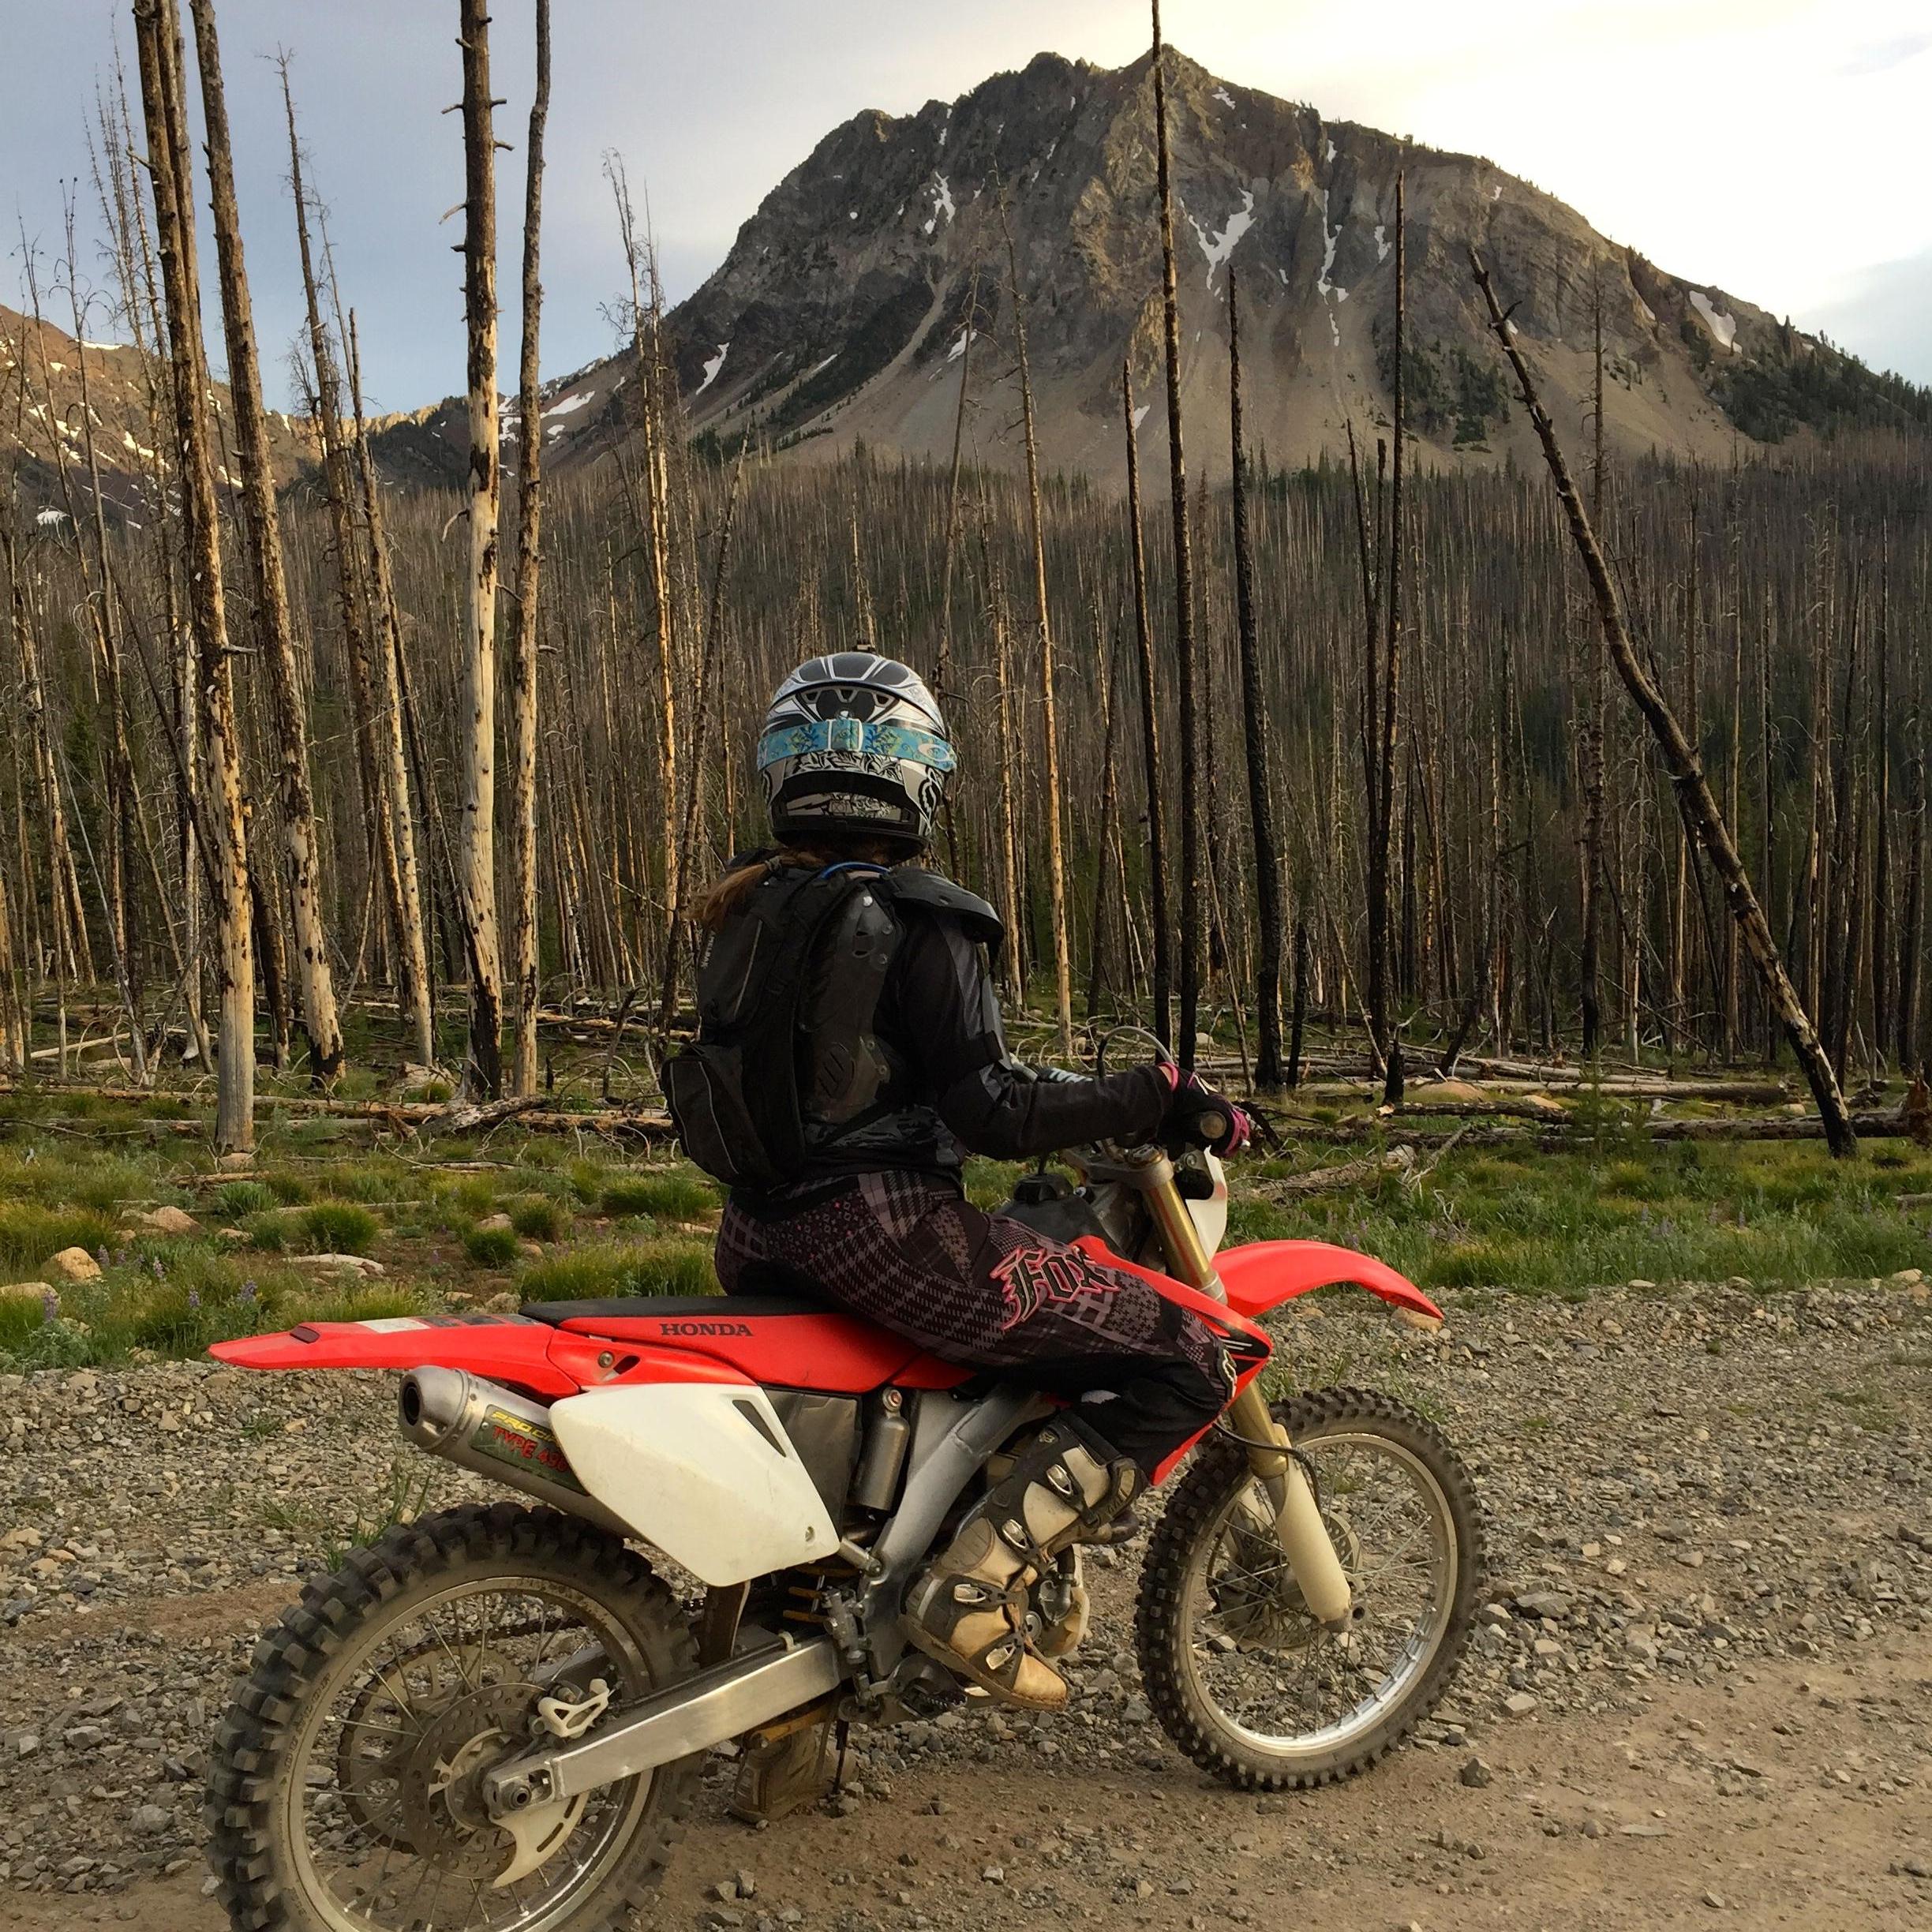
x: 725, y: 895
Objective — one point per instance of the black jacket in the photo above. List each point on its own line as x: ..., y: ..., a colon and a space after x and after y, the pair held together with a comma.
x: 952, y: 1084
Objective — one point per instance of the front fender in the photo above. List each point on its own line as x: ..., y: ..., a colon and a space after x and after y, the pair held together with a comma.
x: 1263, y: 1274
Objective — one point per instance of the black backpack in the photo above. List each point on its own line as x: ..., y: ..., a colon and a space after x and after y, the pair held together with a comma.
x: 735, y: 1091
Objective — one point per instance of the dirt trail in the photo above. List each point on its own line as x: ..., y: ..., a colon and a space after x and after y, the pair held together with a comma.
x: 1586, y: 1824
x: 1700, y: 1691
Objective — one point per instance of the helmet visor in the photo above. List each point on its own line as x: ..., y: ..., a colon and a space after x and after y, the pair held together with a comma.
x: 845, y: 734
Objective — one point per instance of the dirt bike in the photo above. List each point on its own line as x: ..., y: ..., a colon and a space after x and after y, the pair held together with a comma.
x: 494, y: 1718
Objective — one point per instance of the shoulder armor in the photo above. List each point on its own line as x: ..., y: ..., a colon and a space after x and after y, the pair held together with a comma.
x: 911, y: 886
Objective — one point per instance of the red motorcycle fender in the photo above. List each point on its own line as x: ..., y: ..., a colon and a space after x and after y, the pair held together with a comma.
x: 1263, y: 1274
x: 498, y: 1348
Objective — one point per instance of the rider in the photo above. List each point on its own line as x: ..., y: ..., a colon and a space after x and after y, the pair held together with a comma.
x: 905, y: 1064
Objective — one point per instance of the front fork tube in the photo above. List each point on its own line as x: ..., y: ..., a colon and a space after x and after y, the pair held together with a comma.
x: 1304, y: 1540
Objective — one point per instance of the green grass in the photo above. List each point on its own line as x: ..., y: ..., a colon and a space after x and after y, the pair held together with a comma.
x: 673, y: 1196
x: 1775, y: 1213
x: 29, y: 1234
x: 1485, y: 1218
x: 538, y: 1219
x: 235, y: 1200
x: 339, y: 1227
x: 667, y: 1267
x: 490, y: 1247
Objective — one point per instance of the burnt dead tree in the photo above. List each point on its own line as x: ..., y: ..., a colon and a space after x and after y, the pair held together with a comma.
x: 1703, y: 820
x: 1254, y: 730
x: 1193, y: 924
x: 1049, y: 728
x: 523, y: 933
x: 274, y: 623
x: 1162, y: 968
x: 163, y: 97
x: 477, y: 845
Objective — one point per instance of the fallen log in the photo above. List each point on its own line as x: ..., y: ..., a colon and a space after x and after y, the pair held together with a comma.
x: 1397, y: 1160
x: 437, y: 1117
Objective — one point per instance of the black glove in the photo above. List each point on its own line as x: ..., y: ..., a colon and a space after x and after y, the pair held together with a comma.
x: 1200, y: 1117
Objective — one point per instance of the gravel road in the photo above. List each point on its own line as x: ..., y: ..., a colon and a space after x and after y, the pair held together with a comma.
x: 1699, y: 1689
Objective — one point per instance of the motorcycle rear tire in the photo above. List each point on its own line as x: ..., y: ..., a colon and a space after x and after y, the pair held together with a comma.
x: 255, y: 1800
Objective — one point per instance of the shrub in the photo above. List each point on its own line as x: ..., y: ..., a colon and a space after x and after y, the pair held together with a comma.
x: 586, y: 1274
x: 650, y: 1267
x: 29, y: 1234
x: 664, y: 1197
x: 235, y: 1200
x: 537, y: 1220
x: 339, y: 1227
x: 490, y: 1247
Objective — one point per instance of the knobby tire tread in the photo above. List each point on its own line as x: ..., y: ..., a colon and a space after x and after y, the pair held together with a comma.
x: 255, y: 1734
x: 1160, y: 1627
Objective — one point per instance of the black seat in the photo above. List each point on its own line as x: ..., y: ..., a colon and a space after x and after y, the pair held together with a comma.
x: 670, y: 1307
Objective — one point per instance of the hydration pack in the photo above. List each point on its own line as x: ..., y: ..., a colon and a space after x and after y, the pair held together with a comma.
x: 786, y: 1065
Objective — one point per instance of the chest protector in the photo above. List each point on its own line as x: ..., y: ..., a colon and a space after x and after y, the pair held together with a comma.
x: 787, y: 1066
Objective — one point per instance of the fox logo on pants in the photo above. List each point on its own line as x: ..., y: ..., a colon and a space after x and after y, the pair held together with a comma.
x: 1029, y: 1277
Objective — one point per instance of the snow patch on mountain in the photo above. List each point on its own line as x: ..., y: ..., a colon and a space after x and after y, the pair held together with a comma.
x: 1218, y: 248
x: 1723, y: 327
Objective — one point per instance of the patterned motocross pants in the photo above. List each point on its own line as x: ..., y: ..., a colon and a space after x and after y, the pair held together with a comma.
x: 912, y: 1255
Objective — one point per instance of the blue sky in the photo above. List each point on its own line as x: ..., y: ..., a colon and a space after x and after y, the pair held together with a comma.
x: 1775, y: 148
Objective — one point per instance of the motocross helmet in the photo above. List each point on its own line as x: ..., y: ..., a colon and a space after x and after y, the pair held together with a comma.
x: 854, y: 745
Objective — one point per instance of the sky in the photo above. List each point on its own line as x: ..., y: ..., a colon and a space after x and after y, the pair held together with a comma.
x: 1779, y: 150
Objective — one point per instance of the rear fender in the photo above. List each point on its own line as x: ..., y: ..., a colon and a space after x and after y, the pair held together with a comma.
x: 500, y: 1348
x: 1263, y: 1274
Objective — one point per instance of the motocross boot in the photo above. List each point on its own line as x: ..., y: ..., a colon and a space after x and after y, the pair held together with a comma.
x: 969, y: 1610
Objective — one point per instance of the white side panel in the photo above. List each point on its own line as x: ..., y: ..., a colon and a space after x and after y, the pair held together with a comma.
x: 687, y: 1467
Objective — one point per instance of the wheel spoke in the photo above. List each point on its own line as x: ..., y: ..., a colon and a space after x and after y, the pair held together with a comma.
x: 1253, y: 1654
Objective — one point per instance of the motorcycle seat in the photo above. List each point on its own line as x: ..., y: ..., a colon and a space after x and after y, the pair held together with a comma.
x: 781, y: 1341
x: 571, y: 1314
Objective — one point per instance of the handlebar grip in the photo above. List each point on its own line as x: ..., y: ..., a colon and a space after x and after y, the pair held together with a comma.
x: 1211, y: 1125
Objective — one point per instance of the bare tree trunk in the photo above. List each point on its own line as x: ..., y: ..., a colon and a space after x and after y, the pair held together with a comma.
x: 1193, y: 896
x: 1383, y: 805
x: 1589, y: 966
x: 523, y: 935
x: 942, y: 680
x: 1150, y: 732
x: 1911, y: 932
x: 1256, y: 730
x: 1880, y: 897
x: 418, y: 995
x: 158, y: 26
x: 651, y: 433
x: 477, y: 869
x: 1056, y: 852
x: 276, y: 625
x: 13, y: 1007
x: 120, y: 788
x: 1695, y: 801
x: 338, y: 490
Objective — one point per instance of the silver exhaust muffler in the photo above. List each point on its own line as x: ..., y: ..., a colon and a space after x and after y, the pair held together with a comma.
x: 485, y: 1426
